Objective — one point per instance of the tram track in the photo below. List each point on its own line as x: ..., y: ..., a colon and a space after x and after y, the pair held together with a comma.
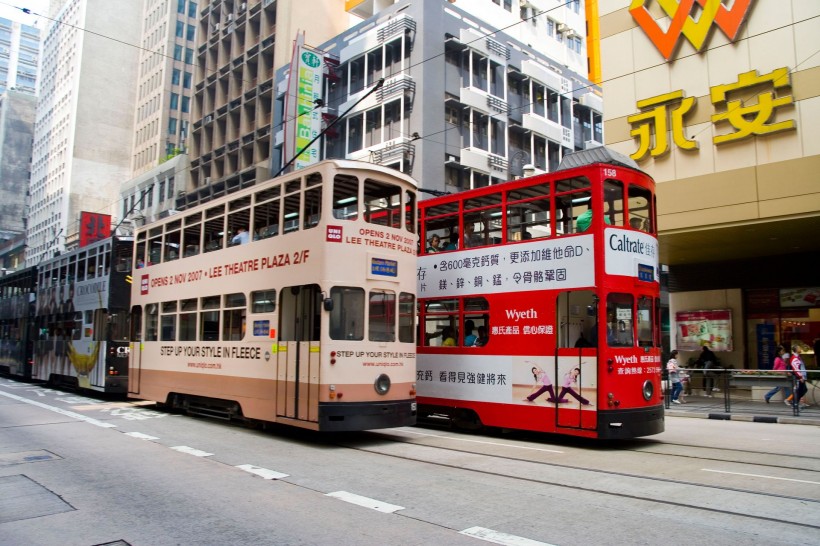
x: 754, y: 505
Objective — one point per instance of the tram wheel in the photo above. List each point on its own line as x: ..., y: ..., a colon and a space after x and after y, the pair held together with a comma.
x: 467, y: 420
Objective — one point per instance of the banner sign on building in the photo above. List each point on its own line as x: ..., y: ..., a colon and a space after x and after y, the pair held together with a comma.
x: 712, y: 328
x: 303, y: 120
x: 94, y: 227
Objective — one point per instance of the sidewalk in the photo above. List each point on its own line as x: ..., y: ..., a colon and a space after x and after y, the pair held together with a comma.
x: 743, y: 410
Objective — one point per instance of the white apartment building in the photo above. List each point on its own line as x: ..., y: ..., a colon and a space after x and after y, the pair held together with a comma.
x: 84, y: 125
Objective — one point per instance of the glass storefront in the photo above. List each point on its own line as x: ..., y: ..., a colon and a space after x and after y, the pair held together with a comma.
x: 782, y: 317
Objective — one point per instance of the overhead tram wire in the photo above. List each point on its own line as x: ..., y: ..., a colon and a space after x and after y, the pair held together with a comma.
x: 427, y: 137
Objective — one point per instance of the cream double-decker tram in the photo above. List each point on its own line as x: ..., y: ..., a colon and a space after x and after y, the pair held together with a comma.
x: 292, y: 301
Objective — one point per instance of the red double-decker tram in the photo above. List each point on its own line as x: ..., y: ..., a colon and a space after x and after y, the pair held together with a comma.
x: 539, y: 302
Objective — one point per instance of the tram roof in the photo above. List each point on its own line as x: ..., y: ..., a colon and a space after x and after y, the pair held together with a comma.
x: 598, y: 154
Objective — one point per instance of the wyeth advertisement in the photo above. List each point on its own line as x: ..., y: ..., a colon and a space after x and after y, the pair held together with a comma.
x: 710, y: 328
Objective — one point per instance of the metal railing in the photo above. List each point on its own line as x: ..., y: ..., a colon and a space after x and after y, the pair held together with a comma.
x: 745, y: 390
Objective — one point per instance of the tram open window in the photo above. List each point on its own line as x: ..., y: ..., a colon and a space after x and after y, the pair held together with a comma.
x: 620, y: 320
x: 191, y: 234
x: 209, y: 319
x: 313, y: 206
x: 345, y: 197
x: 239, y: 217
x: 292, y: 209
x: 122, y: 258
x: 300, y: 313
x: 168, y: 321
x: 614, y: 199
x: 233, y: 317
x: 640, y: 208
x: 266, y: 213
x: 645, y: 321
x: 151, y: 322
x: 187, y: 320
x: 347, y: 316
x: 173, y: 239
x: 213, y: 236
x: 382, y: 203
x: 382, y: 316
x: 441, y: 226
x: 441, y: 318
x: 118, y: 325
x: 528, y: 213
x: 476, y: 315
x: 410, y: 211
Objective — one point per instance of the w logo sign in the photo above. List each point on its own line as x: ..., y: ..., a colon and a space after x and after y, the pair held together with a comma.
x: 682, y: 16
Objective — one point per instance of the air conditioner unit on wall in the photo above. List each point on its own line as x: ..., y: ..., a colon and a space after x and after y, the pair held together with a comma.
x: 562, y: 27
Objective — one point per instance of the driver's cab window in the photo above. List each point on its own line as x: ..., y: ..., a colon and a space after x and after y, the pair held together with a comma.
x: 620, y: 320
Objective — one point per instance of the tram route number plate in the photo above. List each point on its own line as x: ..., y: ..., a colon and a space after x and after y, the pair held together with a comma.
x: 646, y: 273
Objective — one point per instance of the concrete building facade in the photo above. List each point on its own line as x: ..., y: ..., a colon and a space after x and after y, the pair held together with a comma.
x: 19, y: 54
x: 84, y: 123
x: 463, y: 104
x: 16, y: 126
x: 720, y: 105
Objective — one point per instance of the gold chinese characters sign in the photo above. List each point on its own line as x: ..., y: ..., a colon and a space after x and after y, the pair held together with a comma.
x: 744, y: 116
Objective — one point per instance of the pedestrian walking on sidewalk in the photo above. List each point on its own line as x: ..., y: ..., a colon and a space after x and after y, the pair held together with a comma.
x: 779, y: 365
x: 708, y: 361
x: 798, y: 369
x: 674, y: 376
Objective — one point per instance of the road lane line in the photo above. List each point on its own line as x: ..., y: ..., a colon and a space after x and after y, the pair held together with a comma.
x: 141, y: 436
x: 482, y: 442
x: 263, y: 472
x: 759, y: 476
x: 498, y: 537
x: 366, y: 502
x: 61, y: 411
x: 192, y: 451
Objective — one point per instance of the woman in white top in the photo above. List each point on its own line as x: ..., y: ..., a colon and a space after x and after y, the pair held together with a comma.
x: 674, y: 377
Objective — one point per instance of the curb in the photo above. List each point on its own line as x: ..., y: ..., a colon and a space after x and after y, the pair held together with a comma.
x: 786, y: 420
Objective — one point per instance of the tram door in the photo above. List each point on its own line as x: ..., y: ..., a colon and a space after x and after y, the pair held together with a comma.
x: 135, y: 354
x: 297, y: 368
x: 576, y: 360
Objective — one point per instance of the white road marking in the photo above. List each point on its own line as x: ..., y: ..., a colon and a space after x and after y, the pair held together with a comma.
x: 759, y: 476
x: 192, y: 451
x: 264, y: 472
x: 60, y: 411
x: 141, y: 436
x: 373, y: 504
x: 498, y: 537
x: 482, y: 442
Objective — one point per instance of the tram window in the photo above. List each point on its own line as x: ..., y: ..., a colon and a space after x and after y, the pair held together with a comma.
x: 528, y: 213
x: 347, y: 316
x: 214, y: 230
x: 614, y: 198
x: 233, y: 317
x: 266, y: 220
x: 441, y: 323
x: 118, y: 326
x: 209, y: 319
x: 191, y: 236
x: 263, y: 301
x: 576, y: 319
x: 345, y: 197
x: 168, y: 321
x: 644, y: 322
x: 407, y: 317
x: 620, y: 320
x: 410, y: 211
x: 171, y: 246
x: 382, y: 203
x: 313, y: 207
x: 292, y: 211
x: 382, y: 316
x: 187, y: 320
x: 154, y: 251
x: 640, y: 208
x: 77, y: 331
x: 569, y: 208
x: 151, y: 322
x: 99, y: 329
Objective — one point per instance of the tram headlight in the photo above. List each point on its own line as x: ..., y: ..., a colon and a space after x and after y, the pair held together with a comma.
x: 648, y: 390
x: 382, y: 384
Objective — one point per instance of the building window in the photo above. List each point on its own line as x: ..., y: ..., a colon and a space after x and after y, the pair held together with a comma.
x: 191, y: 33
x: 174, y: 101
x: 175, y: 76
x: 180, y: 6
x: 186, y: 80
x: 177, y: 52
x: 189, y: 55
x: 192, y: 9
x: 186, y: 104
x: 180, y: 32
x: 172, y: 126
